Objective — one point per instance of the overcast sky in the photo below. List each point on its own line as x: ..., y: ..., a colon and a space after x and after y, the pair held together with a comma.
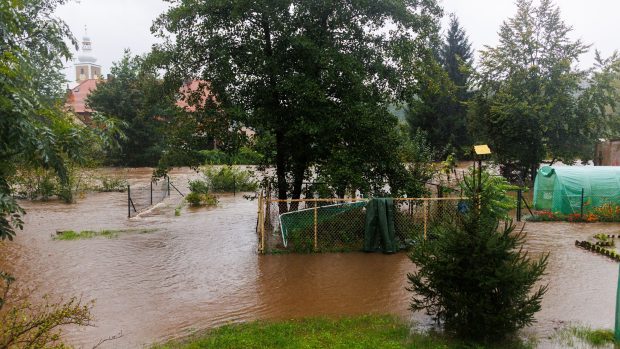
x: 114, y: 25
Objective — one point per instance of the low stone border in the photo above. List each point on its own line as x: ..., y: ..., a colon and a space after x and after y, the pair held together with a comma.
x: 598, y: 248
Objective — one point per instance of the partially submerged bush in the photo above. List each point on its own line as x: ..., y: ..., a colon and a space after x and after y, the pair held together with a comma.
x: 200, y: 199
x: 199, y: 186
x: 112, y: 184
x: 24, y: 325
x: 229, y: 179
x: 35, y: 183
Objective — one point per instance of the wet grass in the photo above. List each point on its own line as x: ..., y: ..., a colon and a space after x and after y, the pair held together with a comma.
x: 68, y: 235
x: 368, y: 331
x: 576, y: 336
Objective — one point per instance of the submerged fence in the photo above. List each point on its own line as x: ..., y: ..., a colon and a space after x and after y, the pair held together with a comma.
x: 141, y: 197
x: 330, y: 225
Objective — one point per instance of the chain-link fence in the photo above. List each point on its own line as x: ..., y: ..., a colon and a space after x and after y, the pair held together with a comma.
x: 141, y: 197
x: 331, y: 225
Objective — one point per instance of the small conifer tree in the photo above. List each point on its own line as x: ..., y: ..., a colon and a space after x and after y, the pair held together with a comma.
x: 474, y: 276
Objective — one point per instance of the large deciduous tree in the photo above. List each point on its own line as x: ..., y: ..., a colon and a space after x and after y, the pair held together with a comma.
x: 134, y: 95
x: 34, y: 131
x: 533, y: 103
x: 312, y: 78
x: 32, y: 46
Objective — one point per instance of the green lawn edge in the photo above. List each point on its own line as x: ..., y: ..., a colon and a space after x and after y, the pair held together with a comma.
x: 366, y: 331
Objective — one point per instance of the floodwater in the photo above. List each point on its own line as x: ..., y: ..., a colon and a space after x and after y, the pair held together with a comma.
x: 201, y: 269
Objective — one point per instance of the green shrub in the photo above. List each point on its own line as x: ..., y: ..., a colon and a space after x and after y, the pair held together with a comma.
x: 474, y: 277
x: 214, y: 157
x: 26, y: 325
x: 245, y: 156
x: 200, y: 199
x: 199, y: 186
x: 35, y: 183
x: 229, y: 179
x: 112, y: 184
x: 194, y: 198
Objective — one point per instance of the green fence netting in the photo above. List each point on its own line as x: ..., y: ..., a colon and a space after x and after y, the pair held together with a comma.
x: 304, y: 219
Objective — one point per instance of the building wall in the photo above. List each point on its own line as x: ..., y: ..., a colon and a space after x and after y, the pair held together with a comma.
x: 86, y: 71
x: 607, y: 153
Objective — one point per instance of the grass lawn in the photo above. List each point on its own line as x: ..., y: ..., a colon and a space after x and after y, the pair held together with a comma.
x: 368, y: 331
x: 89, y: 234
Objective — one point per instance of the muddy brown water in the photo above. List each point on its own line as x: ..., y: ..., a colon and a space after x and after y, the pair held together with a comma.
x: 201, y: 270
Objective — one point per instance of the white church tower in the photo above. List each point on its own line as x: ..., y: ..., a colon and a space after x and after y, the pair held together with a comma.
x: 85, y: 67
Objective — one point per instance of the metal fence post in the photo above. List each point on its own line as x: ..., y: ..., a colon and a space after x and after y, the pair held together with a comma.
x: 151, y: 192
x: 168, y: 178
x: 128, y: 201
x: 519, y: 200
x: 262, y: 224
x: 316, y: 228
x: 581, y: 202
x: 617, y: 324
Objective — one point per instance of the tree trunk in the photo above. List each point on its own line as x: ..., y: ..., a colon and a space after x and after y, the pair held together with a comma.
x: 281, y: 171
x: 298, y: 179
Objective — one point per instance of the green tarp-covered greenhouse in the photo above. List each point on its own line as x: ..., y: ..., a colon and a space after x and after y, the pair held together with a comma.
x: 560, y: 189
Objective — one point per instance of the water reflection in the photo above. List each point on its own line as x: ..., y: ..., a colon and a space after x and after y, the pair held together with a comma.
x: 201, y: 270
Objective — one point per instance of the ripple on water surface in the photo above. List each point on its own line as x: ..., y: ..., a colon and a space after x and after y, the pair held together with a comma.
x: 201, y: 269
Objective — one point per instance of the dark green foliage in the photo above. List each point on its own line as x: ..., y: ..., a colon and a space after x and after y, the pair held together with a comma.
x: 457, y: 57
x: 136, y: 96
x: 35, y: 131
x: 199, y: 194
x: 313, y: 79
x: 475, y: 278
x: 194, y: 198
x: 533, y: 103
x: 199, y: 186
x: 112, y: 184
x: 494, y: 203
x: 229, y: 179
x: 245, y: 156
x: 439, y: 107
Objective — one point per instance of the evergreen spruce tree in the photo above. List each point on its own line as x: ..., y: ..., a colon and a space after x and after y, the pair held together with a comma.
x: 439, y: 108
x: 457, y: 59
x: 473, y: 276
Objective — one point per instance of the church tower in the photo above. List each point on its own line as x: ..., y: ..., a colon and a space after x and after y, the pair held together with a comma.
x: 85, y: 67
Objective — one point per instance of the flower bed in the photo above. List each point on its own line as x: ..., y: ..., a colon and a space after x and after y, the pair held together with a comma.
x: 548, y: 216
x: 608, y: 212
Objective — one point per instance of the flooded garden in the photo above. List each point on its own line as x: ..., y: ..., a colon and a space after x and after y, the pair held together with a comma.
x: 163, y: 275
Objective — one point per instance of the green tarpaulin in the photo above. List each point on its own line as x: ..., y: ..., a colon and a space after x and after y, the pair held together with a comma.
x: 379, y: 233
x: 559, y: 189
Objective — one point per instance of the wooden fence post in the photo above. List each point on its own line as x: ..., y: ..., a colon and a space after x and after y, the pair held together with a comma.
x: 425, y: 205
x: 259, y: 220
